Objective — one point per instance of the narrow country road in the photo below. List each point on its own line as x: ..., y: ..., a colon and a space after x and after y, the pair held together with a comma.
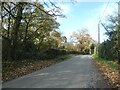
x: 77, y: 72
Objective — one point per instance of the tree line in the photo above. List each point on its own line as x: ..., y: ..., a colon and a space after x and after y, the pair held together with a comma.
x: 110, y: 49
x: 82, y: 41
x: 29, y: 29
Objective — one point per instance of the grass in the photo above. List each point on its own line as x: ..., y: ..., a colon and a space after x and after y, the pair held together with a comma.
x: 13, y: 69
x: 65, y: 57
x: 110, y: 63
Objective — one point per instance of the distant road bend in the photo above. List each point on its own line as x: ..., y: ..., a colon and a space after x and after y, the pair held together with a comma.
x: 77, y: 72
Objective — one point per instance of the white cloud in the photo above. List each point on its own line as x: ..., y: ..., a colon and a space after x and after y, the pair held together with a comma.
x: 92, y: 23
x: 65, y: 8
x: 105, y: 11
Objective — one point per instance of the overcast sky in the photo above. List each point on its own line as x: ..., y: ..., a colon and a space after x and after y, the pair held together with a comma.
x: 85, y: 15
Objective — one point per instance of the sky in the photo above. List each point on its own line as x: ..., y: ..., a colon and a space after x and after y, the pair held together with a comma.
x: 85, y: 15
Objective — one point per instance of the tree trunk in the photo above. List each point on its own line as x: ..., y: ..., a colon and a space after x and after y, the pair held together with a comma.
x: 119, y: 32
x: 16, y: 29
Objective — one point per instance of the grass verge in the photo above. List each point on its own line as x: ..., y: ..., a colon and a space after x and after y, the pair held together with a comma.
x: 15, y: 69
x: 109, y: 69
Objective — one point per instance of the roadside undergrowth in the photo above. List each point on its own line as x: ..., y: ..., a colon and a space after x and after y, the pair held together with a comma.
x: 110, y: 70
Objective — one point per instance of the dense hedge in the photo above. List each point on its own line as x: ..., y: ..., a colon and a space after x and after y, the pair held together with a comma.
x: 107, y: 50
x: 47, y: 54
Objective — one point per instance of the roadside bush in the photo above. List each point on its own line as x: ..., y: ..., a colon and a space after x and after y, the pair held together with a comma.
x: 106, y: 50
x: 73, y: 52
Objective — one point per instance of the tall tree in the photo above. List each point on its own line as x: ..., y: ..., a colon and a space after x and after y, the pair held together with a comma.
x: 26, y: 25
x: 112, y: 44
x: 82, y: 40
x: 16, y: 29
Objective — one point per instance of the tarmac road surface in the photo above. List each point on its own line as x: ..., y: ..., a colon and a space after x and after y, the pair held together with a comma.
x: 77, y: 72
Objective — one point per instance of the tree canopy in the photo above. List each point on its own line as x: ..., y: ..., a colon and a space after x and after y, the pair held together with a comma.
x: 110, y: 48
x: 82, y: 40
x: 27, y: 27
